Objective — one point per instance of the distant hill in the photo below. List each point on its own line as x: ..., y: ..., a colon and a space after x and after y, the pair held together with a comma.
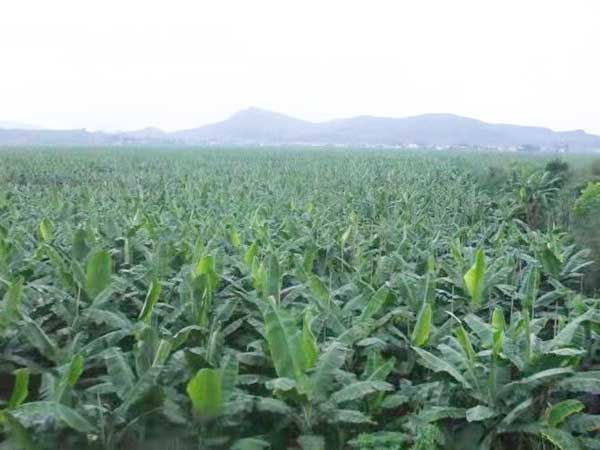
x: 250, y: 125
x: 258, y: 126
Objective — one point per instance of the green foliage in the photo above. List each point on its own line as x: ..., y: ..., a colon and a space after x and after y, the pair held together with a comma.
x: 98, y: 273
x: 313, y: 299
x: 475, y: 279
x: 206, y: 392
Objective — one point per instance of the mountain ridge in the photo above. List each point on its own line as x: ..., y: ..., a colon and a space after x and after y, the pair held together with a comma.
x: 260, y: 126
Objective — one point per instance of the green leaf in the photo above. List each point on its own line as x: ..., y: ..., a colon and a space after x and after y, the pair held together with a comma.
x: 322, y: 379
x: 119, y: 372
x: 152, y: 297
x: 439, y: 365
x: 582, y: 382
x: 250, y: 444
x: 80, y: 248
x: 435, y: 413
x: 281, y: 384
x: 74, y: 370
x: 21, y: 388
x: 273, y: 287
x: 40, y: 340
x: 251, y: 254
x: 20, y: 437
x: 565, y: 336
x: 376, y: 303
x: 319, y: 290
x: 206, y: 268
x: 561, y: 439
x: 230, y: 370
x: 234, y: 237
x: 479, y: 413
x: 311, y: 442
x: 98, y: 273
x: 498, y: 325
x: 46, y: 229
x: 517, y: 411
x: 206, y: 392
x: 465, y: 341
x: 12, y: 300
x: 349, y: 416
x: 359, y: 390
x: 584, y: 423
x: 475, y: 279
x: 422, y: 329
x: 550, y: 262
x: 57, y: 411
x: 544, y: 376
x: 284, y: 341
x: 308, y: 342
x: 163, y: 352
x: 557, y: 413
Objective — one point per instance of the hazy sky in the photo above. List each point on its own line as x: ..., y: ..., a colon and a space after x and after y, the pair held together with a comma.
x: 124, y: 64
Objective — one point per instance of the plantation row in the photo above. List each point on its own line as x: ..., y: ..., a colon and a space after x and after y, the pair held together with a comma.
x: 271, y: 299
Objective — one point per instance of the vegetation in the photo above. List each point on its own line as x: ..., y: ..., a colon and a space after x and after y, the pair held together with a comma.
x: 256, y: 299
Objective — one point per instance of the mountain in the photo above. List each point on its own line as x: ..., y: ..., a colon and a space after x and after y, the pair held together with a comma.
x: 254, y: 126
x: 249, y: 125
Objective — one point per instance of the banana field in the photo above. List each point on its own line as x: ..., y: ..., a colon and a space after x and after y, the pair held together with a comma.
x: 298, y: 299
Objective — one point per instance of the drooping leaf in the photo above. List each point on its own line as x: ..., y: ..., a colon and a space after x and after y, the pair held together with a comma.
x: 329, y: 362
x: 558, y: 412
x: 12, y: 300
x: 435, y: 413
x: 581, y: 382
x: 436, y: 364
x: 359, y: 390
x: 349, y: 416
x: 40, y: 340
x: 119, y: 371
x: 565, y: 336
x: 311, y: 442
x: 250, y: 444
x: 563, y: 440
x: 230, y: 370
x: 479, y: 413
x: 550, y: 262
x: 58, y: 412
x: 319, y: 290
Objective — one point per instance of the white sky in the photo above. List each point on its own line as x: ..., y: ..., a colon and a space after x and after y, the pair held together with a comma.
x: 124, y: 64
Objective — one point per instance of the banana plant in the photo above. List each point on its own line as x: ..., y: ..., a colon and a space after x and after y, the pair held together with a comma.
x: 311, y: 380
x: 508, y: 373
